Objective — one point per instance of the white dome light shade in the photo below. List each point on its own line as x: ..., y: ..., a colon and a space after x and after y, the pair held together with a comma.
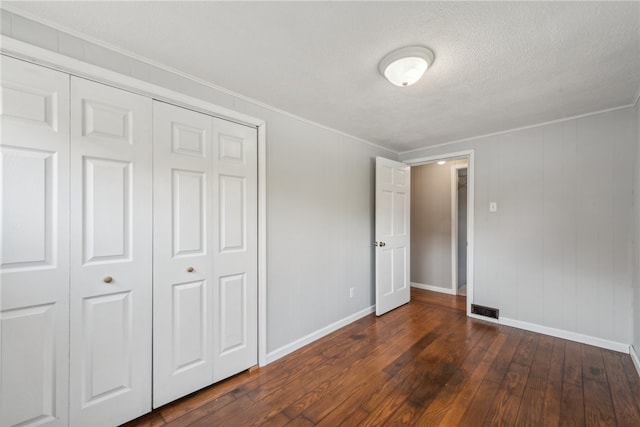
x: 406, y: 66
x: 405, y: 71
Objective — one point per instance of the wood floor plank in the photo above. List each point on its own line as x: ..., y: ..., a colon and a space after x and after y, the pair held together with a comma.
x: 201, y: 399
x: 240, y: 411
x: 531, y: 408
x: 443, y: 375
x: 299, y: 421
x: 446, y: 395
x: 572, y: 364
x: 153, y: 419
x: 315, y: 400
x: 627, y: 408
x: 633, y: 376
x: 553, y: 391
x: 423, y: 364
x: 349, y: 408
x: 316, y: 403
x: 276, y: 421
x: 327, y: 360
x: 506, y: 403
x: 470, y: 387
x: 394, y: 386
x: 353, y: 419
x: 193, y: 415
x: 478, y: 407
x: 372, y: 378
x: 598, y: 405
x: 502, y: 362
x: 417, y: 383
x: 572, y: 405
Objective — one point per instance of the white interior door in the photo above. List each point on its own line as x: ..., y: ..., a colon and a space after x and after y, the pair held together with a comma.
x: 111, y: 213
x: 34, y: 271
x: 235, y: 248
x: 393, y: 191
x: 182, y: 264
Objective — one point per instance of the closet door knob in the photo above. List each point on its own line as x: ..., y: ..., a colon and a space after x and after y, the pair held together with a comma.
x: 190, y: 269
x: 108, y: 279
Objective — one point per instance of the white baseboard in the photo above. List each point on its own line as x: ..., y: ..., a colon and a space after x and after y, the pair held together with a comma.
x: 634, y: 357
x: 433, y: 288
x: 308, y: 339
x: 568, y: 335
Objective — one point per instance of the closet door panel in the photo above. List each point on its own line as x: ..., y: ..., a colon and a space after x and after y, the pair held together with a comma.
x: 107, y: 210
x: 235, y: 256
x: 111, y: 254
x: 34, y: 265
x: 28, y: 193
x: 182, y: 252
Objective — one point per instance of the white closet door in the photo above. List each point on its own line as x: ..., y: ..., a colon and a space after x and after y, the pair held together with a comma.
x: 111, y: 156
x: 35, y: 257
x: 182, y: 252
x: 235, y: 252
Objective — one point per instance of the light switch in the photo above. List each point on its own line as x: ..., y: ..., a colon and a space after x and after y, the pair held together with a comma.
x: 493, y: 207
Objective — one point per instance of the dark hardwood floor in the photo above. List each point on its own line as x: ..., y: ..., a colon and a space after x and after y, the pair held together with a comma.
x: 423, y: 364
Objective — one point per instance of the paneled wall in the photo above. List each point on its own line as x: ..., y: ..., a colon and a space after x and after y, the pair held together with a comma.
x: 319, y: 195
x: 559, y: 250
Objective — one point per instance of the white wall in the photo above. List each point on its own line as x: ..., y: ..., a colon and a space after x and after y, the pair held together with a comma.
x: 559, y: 251
x: 319, y: 196
x: 320, y: 227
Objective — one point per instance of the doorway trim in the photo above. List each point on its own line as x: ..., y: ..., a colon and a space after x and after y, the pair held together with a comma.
x: 469, y: 154
x: 454, y: 225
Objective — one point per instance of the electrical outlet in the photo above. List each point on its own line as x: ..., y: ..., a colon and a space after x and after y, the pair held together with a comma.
x: 493, y: 207
x: 351, y: 292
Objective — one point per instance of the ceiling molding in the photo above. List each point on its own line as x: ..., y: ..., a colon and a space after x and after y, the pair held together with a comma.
x: 550, y: 122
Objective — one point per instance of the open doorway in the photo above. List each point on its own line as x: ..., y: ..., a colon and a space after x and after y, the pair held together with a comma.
x: 442, y: 224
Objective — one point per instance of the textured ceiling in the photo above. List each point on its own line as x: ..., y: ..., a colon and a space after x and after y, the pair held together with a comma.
x: 498, y: 65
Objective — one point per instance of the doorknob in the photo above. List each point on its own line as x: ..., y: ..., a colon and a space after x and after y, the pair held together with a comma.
x: 108, y: 279
x: 375, y: 243
x: 383, y: 244
x: 190, y: 269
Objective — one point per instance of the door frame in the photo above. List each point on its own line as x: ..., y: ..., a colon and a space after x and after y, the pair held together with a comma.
x: 454, y: 224
x: 46, y: 58
x: 470, y: 155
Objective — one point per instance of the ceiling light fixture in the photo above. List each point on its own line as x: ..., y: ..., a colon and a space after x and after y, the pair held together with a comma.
x: 404, y: 67
x: 442, y: 162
